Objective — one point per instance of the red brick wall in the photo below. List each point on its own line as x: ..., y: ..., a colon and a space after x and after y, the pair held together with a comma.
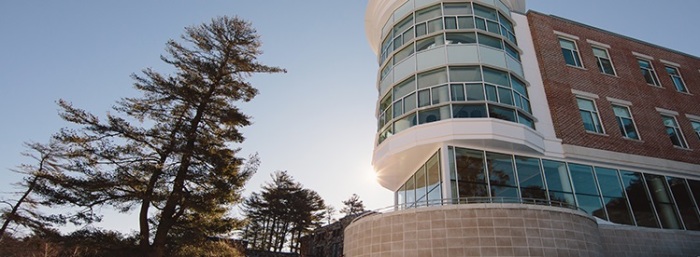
x: 629, y: 85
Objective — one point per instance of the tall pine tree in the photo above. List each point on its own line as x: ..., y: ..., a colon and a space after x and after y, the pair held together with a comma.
x: 168, y: 152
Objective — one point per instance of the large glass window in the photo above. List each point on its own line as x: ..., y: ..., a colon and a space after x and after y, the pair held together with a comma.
x: 502, y: 176
x: 604, y: 63
x: 424, y: 187
x: 684, y: 201
x: 648, y: 72
x: 570, y: 52
x: 589, y: 115
x: 638, y: 196
x: 674, y: 132
x: 558, y: 183
x: 614, y: 198
x: 530, y: 178
x: 696, y: 127
x: 677, y: 79
x: 586, y: 190
x: 471, y: 173
x: 625, y: 122
x: 663, y: 201
x: 434, y: 178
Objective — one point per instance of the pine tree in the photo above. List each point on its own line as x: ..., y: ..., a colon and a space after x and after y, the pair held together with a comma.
x: 353, y: 206
x: 168, y: 152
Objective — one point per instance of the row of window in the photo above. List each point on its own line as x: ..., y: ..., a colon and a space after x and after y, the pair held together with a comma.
x: 619, y: 196
x: 489, y: 93
x: 447, y: 16
x: 572, y: 57
x: 625, y: 121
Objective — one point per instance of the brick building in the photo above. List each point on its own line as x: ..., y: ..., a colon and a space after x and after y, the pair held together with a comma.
x: 508, y: 132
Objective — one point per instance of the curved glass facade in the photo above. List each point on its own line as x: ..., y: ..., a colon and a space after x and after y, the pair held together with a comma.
x: 480, y: 78
x: 616, y: 195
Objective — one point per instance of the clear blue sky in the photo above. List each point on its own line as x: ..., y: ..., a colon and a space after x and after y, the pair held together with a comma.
x: 317, y: 121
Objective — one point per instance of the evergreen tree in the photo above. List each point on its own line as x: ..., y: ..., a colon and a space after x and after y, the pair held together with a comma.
x: 281, y: 214
x: 168, y: 153
x: 353, y: 206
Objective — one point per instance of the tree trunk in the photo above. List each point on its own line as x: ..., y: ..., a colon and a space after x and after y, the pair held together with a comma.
x: 11, y: 216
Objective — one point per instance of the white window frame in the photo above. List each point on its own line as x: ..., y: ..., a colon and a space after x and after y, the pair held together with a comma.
x: 595, y: 115
x: 619, y: 120
x: 607, y: 57
x: 651, y: 69
x: 676, y: 127
x: 575, y: 52
x: 679, y: 76
x: 693, y: 121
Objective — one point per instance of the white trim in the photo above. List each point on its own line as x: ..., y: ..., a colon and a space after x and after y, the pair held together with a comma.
x: 596, y: 43
x: 666, y: 111
x: 692, y: 117
x: 584, y: 94
x: 644, y: 56
x: 670, y: 63
x: 562, y: 34
x: 619, y: 101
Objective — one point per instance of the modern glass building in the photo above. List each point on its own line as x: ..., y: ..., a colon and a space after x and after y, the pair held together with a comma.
x: 480, y: 111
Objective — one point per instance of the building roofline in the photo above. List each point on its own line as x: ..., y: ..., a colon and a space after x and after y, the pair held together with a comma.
x: 615, y: 34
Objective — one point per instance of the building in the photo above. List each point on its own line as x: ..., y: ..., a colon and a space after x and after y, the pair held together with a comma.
x: 507, y: 132
x: 327, y: 241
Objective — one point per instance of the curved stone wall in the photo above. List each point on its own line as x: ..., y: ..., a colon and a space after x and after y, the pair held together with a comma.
x: 475, y: 230
x: 629, y: 241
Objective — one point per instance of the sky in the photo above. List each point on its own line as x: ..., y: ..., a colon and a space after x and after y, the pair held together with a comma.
x: 316, y: 121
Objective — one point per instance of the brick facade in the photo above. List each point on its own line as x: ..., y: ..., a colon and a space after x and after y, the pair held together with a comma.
x: 628, y: 84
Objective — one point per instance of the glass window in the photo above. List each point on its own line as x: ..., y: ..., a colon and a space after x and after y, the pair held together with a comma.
x: 674, y: 132
x: 501, y: 175
x: 490, y: 41
x: 465, y: 74
x: 570, y: 52
x: 485, y: 12
x: 502, y: 113
x: 457, y: 92
x: 475, y: 92
x: 558, y: 183
x: 409, y: 103
x: 468, y: 111
x: 603, y: 60
x: 420, y: 186
x: 428, y: 13
x: 471, y: 173
x: 435, y: 25
x: 430, y: 42
x: 432, y: 78
x: 625, y: 122
x: 465, y: 22
x: 663, y: 201
x: 440, y: 94
x: 530, y: 178
x: 424, y: 97
x: 677, y: 79
x: 496, y: 77
x: 433, y: 180
x: 457, y: 9
x: 638, y: 196
x: 648, y: 72
x: 614, y: 198
x: 460, y: 38
x: 589, y: 115
x: 587, y: 190
x: 403, y: 54
x: 432, y: 115
x: 450, y: 23
x: 684, y: 201
x: 404, y: 88
x: 696, y: 127
x: 404, y: 123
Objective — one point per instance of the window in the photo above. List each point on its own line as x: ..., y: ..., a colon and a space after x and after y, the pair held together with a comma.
x: 674, y: 132
x: 696, y: 127
x: 625, y: 122
x: 648, y: 72
x: 603, y: 60
x: 677, y: 79
x: 570, y: 51
x: 589, y: 115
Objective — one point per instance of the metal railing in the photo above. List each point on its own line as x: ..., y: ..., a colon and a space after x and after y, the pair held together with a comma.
x: 468, y: 200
